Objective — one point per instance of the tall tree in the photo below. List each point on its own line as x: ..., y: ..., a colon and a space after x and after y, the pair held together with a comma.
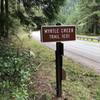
x: 90, y: 13
x: 2, y: 18
x: 23, y: 10
x: 6, y: 14
x: 52, y: 8
x: 84, y: 13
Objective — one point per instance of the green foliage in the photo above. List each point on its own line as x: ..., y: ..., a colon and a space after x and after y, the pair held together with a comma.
x: 15, y: 13
x: 20, y: 93
x: 39, y: 21
x: 16, y: 65
x: 80, y: 84
x: 52, y: 9
x: 84, y: 14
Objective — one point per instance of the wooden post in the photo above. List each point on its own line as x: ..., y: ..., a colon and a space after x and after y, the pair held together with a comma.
x: 59, y: 54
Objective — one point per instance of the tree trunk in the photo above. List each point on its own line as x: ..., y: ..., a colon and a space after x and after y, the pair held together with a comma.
x: 18, y: 5
x: 95, y: 29
x: 2, y: 7
x: 2, y: 18
x: 6, y: 12
x: 95, y: 24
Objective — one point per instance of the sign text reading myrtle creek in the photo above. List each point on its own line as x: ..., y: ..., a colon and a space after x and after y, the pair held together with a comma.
x: 57, y: 33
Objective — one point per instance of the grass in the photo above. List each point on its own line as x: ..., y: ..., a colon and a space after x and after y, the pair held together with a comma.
x: 89, y: 40
x: 88, y: 36
x: 81, y: 83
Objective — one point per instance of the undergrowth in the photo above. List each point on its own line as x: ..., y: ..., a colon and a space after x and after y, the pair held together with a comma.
x: 21, y: 63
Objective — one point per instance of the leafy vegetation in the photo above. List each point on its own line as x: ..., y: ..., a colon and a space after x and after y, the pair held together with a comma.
x: 29, y: 13
x: 81, y: 83
x: 85, y: 14
x: 28, y: 72
x: 16, y: 65
x: 24, y: 63
x: 16, y: 62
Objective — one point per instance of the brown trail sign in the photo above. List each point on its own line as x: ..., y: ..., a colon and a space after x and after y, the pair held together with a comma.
x: 57, y: 34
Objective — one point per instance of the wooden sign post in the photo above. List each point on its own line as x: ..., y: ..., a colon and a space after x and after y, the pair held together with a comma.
x: 59, y: 54
x: 58, y: 34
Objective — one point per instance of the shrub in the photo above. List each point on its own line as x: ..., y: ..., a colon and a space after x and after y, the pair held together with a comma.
x: 15, y: 68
